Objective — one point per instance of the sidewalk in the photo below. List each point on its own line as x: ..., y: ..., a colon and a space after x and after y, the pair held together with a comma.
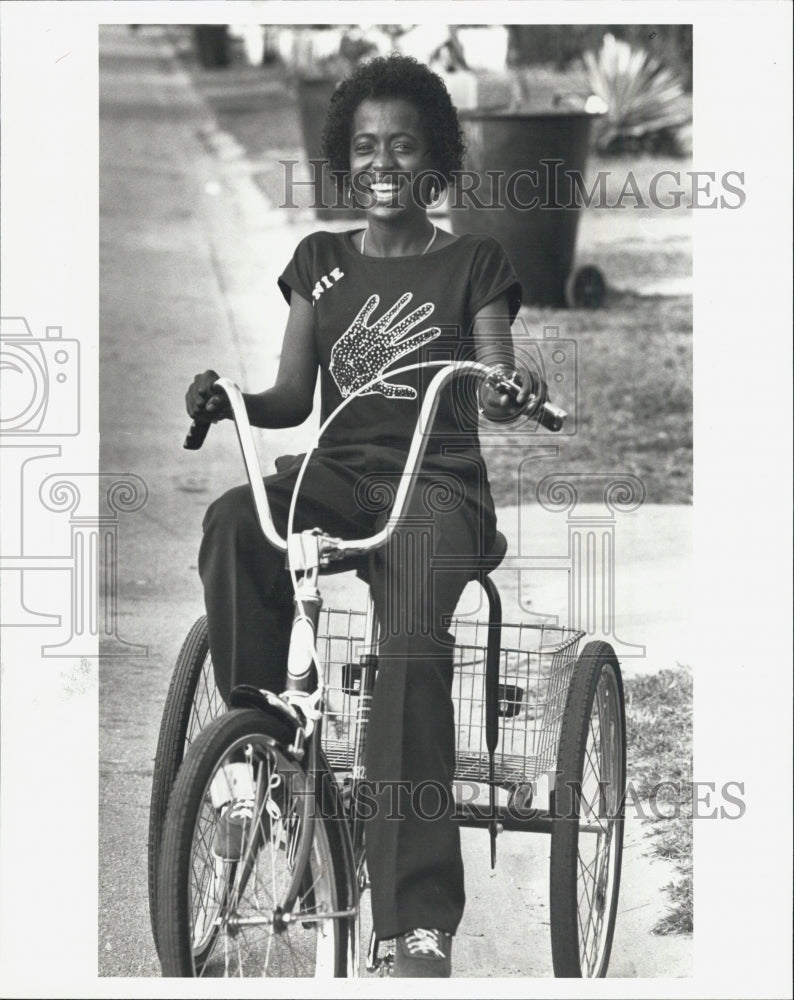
x: 190, y: 255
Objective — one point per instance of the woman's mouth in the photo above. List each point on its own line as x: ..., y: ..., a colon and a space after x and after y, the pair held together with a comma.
x: 385, y: 192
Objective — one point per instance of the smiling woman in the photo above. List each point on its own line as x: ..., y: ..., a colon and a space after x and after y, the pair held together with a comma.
x: 362, y: 304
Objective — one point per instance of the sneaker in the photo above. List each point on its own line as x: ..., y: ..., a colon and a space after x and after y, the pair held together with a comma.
x: 423, y: 953
x: 230, y: 832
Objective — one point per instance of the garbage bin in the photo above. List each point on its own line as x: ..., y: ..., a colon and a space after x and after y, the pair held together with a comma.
x: 212, y: 45
x: 527, y: 199
x: 314, y: 96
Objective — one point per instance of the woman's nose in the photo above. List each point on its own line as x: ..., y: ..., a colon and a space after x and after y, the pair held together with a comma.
x: 383, y: 158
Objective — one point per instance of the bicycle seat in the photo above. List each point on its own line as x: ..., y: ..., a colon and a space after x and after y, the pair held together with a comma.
x: 491, y: 560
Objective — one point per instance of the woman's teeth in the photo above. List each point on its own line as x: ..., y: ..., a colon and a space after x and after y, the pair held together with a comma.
x: 385, y: 192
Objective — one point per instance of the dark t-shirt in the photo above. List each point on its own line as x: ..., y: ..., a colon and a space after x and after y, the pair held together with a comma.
x: 373, y: 315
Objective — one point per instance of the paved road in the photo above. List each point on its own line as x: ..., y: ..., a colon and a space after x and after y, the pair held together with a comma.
x: 190, y: 252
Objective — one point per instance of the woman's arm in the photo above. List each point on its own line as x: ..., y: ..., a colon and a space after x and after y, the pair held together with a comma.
x: 289, y: 401
x: 494, y: 345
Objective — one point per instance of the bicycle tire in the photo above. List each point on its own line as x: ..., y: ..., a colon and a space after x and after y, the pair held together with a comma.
x: 588, y: 817
x: 206, y: 905
x: 191, y: 704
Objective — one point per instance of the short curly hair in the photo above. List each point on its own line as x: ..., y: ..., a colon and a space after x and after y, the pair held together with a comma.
x: 395, y: 76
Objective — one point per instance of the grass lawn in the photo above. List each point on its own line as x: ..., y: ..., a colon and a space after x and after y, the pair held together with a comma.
x: 632, y: 401
x: 659, y: 750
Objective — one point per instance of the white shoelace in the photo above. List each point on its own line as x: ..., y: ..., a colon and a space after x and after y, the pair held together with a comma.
x: 240, y: 810
x: 424, y: 942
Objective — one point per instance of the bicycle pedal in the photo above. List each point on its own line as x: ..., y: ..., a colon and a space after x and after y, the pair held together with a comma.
x: 375, y: 962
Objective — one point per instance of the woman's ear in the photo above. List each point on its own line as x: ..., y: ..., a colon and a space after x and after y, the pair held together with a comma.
x: 436, y: 182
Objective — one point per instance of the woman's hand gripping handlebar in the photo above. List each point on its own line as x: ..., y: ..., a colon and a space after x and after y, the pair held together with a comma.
x: 527, y: 390
x: 206, y: 403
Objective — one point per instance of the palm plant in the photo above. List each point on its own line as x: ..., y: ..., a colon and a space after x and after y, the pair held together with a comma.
x: 643, y: 97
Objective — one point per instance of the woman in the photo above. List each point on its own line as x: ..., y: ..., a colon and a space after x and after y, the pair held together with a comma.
x: 362, y: 303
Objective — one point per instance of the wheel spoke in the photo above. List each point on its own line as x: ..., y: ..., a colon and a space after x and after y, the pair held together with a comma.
x: 584, y: 928
x: 206, y: 704
x: 594, y: 915
x: 583, y: 882
x: 322, y: 873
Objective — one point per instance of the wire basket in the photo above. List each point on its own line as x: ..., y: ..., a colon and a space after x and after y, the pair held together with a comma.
x: 535, y: 667
x: 340, y: 645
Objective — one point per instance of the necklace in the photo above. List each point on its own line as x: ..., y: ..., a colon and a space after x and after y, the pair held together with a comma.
x: 432, y: 239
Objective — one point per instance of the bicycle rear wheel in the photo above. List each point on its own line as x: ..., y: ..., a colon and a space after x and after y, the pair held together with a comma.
x: 587, y: 831
x: 219, y: 917
x: 191, y: 704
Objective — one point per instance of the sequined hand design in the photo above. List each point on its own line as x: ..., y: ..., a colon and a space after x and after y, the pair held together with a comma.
x: 365, y: 351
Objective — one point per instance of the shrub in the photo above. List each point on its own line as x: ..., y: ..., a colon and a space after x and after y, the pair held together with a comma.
x: 645, y: 100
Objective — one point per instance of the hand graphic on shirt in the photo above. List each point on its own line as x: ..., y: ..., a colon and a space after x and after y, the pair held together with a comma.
x: 365, y: 351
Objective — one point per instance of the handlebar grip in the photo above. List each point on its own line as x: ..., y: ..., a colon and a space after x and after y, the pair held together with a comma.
x: 552, y: 417
x: 196, y: 435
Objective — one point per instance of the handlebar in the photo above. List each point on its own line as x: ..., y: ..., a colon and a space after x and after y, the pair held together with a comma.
x: 551, y: 417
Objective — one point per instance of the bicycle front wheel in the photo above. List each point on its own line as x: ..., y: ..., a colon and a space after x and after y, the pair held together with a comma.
x: 220, y: 910
x: 191, y: 704
x: 587, y: 831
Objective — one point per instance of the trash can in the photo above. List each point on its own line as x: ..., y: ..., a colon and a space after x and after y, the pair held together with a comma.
x: 526, y: 197
x: 212, y: 45
x: 313, y: 97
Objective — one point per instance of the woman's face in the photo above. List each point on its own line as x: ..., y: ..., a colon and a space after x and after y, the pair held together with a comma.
x: 389, y: 148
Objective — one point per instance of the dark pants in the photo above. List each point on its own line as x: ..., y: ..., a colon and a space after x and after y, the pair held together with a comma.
x: 414, y: 861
